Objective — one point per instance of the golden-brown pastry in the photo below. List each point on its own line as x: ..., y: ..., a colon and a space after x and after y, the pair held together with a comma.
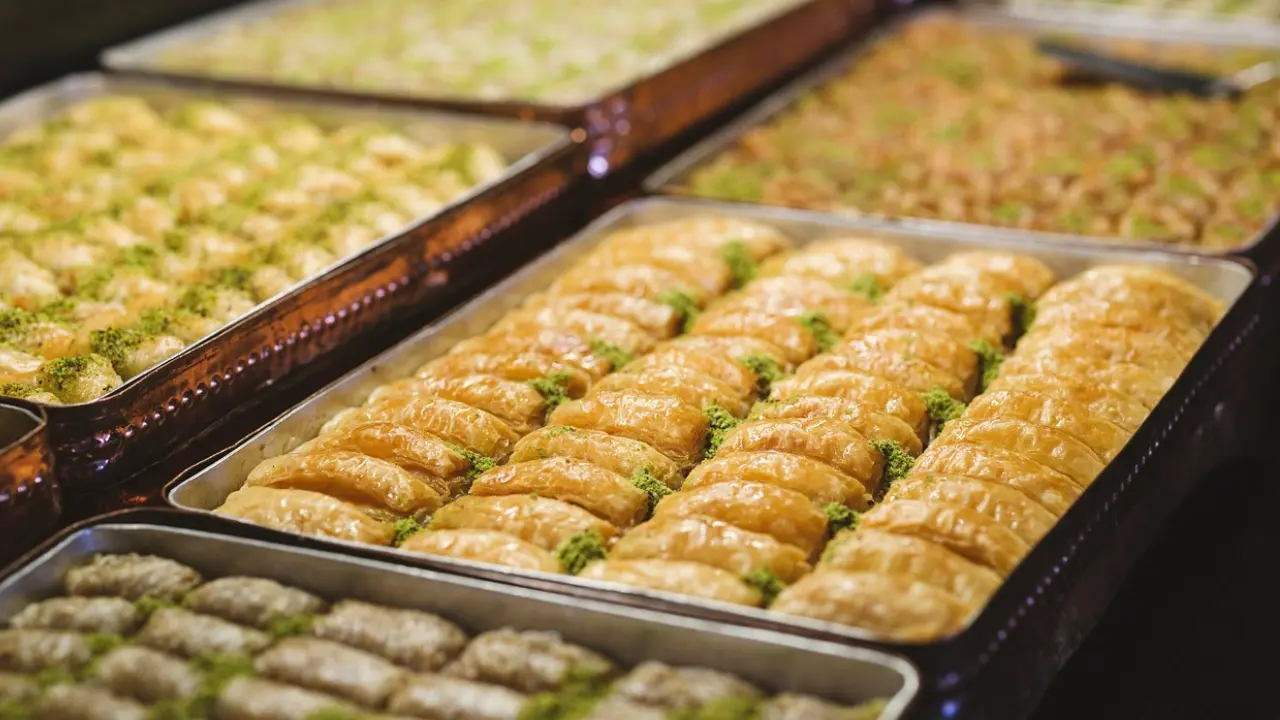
x: 1047, y: 486
x: 1097, y: 399
x: 1162, y: 354
x: 1031, y: 276
x: 603, y: 493
x: 1007, y: 506
x: 737, y: 347
x: 788, y: 334
x: 911, y: 373
x: 701, y: 539
x: 793, y: 296
x: 454, y: 422
x: 644, y: 281
x: 568, y: 346
x: 841, y: 261
x: 714, y: 362
x: 690, y: 386
x: 516, y: 403
x: 883, y: 395
x: 487, y: 546
x: 658, y: 319
x: 1140, y: 287
x: 893, y: 606
x: 936, y: 348
x: 518, y: 366
x: 1143, y: 384
x: 694, y: 265
x: 831, y: 442
x: 983, y: 297
x: 893, y: 315
x: 624, y: 456
x: 867, y: 420
x: 966, y: 532
x: 613, y: 330
x: 426, y: 457
x: 708, y: 233
x: 672, y: 576
x: 1048, y: 446
x: 885, y: 553
x: 664, y: 422
x: 305, y: 512
x: 1102, y: 436
x: 786, y: 515
x: 378, y: 487
x: 542, y: 521
x: 818, y: 481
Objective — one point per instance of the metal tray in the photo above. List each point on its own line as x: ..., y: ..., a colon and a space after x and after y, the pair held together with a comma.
x: 103, y: 440
x: 946, y: 663
x: 30, y: 500
x: 771, y: 660
x: 1165, y: 16
x: 1101, y: 27
x: 624, y: 122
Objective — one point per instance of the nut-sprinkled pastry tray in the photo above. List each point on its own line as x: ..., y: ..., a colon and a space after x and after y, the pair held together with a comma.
x: 1149, y: 474
x: 1024, y: 165
x: 635, y: 111
x: 330, y: 304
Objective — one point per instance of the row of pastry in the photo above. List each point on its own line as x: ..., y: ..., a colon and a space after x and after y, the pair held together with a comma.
x: 463, y: 441
x: 830, y: 439
x: 1104, y: 348
x: 418, y: 444
x: 140, y: 637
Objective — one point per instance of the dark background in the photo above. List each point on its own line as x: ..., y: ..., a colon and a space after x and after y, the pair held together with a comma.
x: 1188, y: 636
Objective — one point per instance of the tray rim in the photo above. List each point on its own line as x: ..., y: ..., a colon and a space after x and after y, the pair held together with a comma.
x: 98, y: 84
x: 754, y: 616
x: 661, y: 181
x: 139, y: 56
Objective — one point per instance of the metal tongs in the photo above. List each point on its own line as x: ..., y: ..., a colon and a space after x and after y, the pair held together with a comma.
x: 1153, y: 78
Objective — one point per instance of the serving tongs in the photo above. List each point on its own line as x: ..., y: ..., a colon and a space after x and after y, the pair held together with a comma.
x: 1154, y: 78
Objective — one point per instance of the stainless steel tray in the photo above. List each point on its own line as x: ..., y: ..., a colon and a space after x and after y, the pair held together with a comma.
x: 668, y: 179
x: 771, y: 660
x: 1127, y: 20
x: 175, y: 399
x: 624, y: 122
x: 205, y: 487
x: 30, y: 498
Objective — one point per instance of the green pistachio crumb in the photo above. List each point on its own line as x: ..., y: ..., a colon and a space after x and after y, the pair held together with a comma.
x: 897, y: 462
x: 580, y: 550
x: 614, y: 355
x: 14, y: 322
x: 103, y: 643
x: 479, y: 463
x: 742, y: 266
x: 293, y: 625
x: 553, y: 388
x: 721, y: 422
x: 11, y: 709
x: 581, y: 691
x: 942, y: 407
x: 560, y: 430
x: 990, y: 358
x: 650, y: 485
x: 839, y: 518
x: 146, y: 605
x: 682, y: 304
x: 115, y: 344
x: 868, y: 285
x: 816, y: 322
x: 766, y: 582
x: 767, y: 371
x: 405, y: 527
x: 49, y: 677
x: 18, y: 390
